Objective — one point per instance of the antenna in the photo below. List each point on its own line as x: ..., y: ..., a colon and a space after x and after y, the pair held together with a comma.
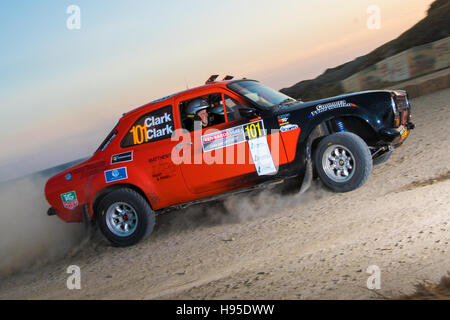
x: 185, y: 81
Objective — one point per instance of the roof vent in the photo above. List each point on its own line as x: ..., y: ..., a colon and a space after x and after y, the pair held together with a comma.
x: 212, y: 78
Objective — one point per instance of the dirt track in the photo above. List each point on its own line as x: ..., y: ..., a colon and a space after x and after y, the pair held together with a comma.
x: 314, y: 246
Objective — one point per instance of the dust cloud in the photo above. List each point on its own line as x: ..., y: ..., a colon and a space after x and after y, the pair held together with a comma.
x: 28, y: 237
x: 238, y: 208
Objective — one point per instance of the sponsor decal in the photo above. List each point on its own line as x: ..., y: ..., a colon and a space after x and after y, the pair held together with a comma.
x: 231, y: 136
x: 330, y: 106
x: 109, y: 141
x: 122, y: 157
x: 286, y: 115
x: 255, y: 135
x: 68, y: 177
x: 154, y: 126
x: 69, y: 200
x: 222, y: 139
x: 288, y: 127
x: 116, y: 174
x: 283, y: 119
x: 259, y: 148
x: 160, y: 157
x: 262, y: 158
x: 216, y: 136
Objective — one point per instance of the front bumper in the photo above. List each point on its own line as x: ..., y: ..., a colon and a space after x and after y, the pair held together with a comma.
x: 396, y: 136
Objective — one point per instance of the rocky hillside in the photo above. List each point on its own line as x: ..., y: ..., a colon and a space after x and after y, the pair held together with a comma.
x: 435, y: 26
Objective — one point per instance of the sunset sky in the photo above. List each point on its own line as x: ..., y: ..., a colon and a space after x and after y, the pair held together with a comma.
x: 61, y: 90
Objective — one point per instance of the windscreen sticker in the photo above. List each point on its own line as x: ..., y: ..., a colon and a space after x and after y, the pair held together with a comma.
x: 330, y: 106
x: 122, y: 157
x: 69, y: 200
x: 116, y: 174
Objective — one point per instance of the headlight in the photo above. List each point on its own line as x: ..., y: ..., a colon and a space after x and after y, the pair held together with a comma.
x: 396, y: 114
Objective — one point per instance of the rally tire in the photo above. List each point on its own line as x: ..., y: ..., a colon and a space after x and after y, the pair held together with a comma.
x: 125, y: 217
x: 343, y: 161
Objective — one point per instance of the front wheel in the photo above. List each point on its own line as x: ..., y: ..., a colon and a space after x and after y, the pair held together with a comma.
x: 125, y: 217
x: 343, y: 161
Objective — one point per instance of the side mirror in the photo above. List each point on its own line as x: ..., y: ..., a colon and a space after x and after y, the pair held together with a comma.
x: 248, y: 113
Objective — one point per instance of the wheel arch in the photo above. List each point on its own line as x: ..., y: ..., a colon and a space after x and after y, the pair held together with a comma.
x: 323, y: 127
x: 106, y: 190
x: 352, y: 123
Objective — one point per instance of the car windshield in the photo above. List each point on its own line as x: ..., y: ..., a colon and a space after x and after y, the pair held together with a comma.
x: 261, y: 95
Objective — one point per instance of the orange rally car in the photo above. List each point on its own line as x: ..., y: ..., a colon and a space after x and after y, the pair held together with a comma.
x: 223, y: 137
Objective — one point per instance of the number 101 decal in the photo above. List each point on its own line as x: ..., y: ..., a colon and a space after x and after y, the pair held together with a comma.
x: 254, y: 130
x: 259, y: 148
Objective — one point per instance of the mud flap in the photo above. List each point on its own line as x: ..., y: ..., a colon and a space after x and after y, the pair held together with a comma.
x: 307, y: 178
x: 87, y: 224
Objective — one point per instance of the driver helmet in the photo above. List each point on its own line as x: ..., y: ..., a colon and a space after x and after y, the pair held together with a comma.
x: 195, y: 106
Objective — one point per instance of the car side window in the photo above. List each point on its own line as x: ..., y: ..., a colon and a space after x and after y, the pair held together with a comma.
x: 153, y: 126
x: 202, y: 112
x: 232, y: 107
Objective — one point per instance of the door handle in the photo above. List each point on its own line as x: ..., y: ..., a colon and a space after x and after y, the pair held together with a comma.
x: 178, y: 146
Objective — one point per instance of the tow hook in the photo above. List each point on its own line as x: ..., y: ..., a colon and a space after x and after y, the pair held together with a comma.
x: 382, y: 150
x: 410, y: 126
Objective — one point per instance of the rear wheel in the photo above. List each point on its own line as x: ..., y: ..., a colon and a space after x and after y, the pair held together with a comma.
x: 343, y: 161
x: 125, y: 217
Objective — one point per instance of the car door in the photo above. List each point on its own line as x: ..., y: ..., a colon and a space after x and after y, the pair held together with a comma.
x: 234, y: 154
